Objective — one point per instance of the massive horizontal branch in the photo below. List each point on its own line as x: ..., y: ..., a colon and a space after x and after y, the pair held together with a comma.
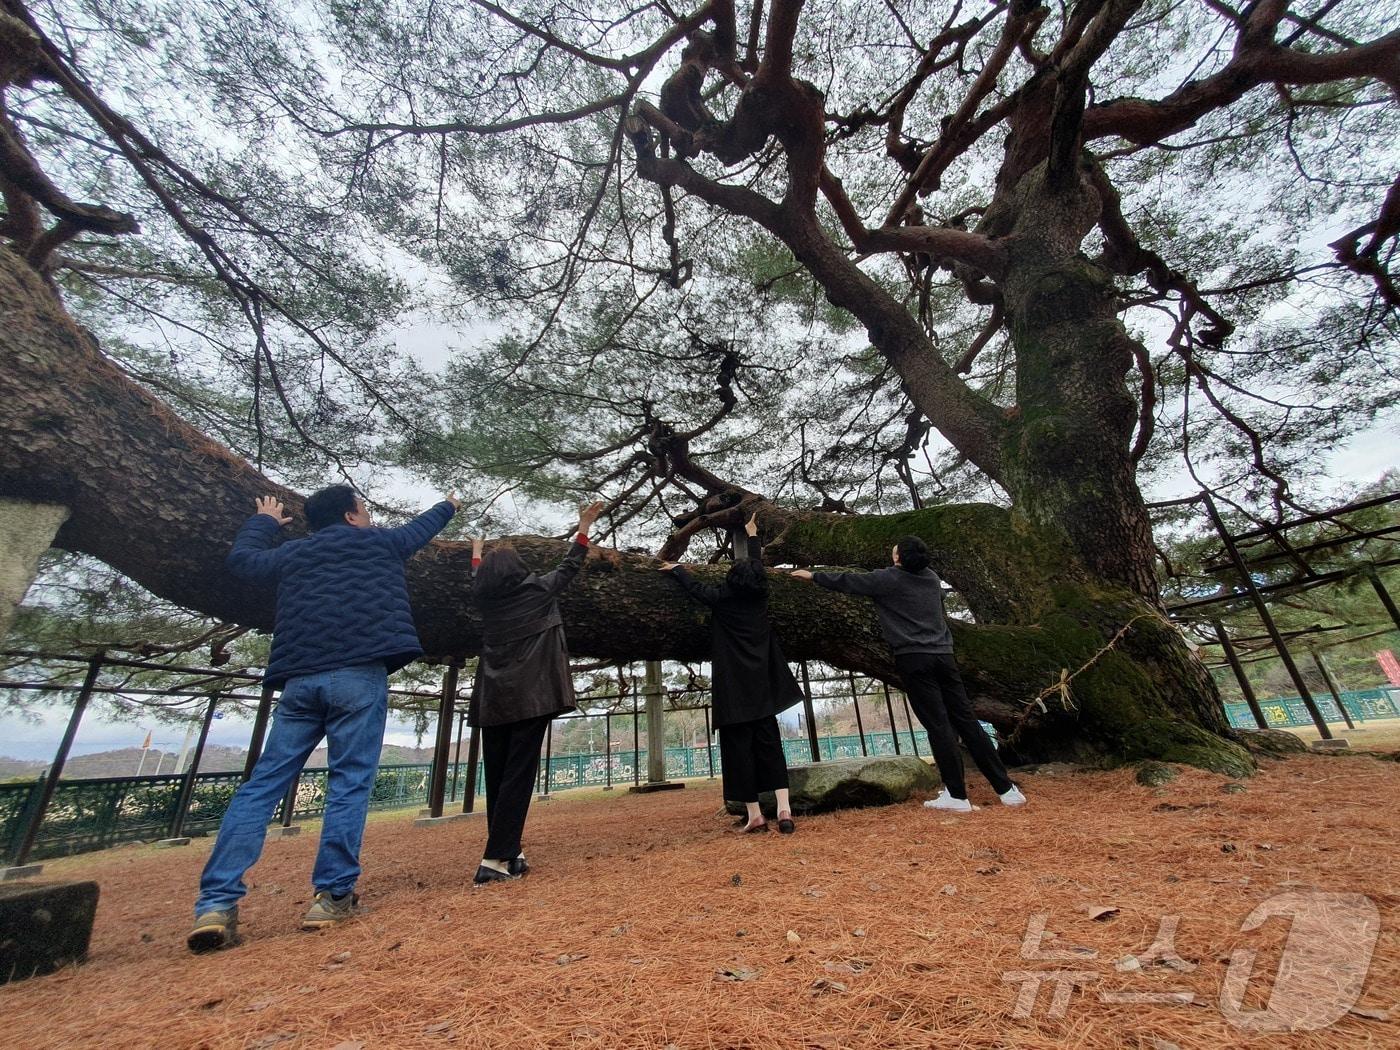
x: 160, y: 502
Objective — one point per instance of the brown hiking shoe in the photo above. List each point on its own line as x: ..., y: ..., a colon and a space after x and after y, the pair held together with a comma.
x: 214, y: 929
x: 326, y: 910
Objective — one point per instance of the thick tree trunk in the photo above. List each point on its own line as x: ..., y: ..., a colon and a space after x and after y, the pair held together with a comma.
x: 160, y: 502
x: 1066, y: 462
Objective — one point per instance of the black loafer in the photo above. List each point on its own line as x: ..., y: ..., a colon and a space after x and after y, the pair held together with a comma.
x: 519, y: 866
x: 486, y: 875
x: 786, y: 826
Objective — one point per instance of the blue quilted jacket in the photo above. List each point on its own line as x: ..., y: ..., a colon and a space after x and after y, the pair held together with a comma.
x: 341, y: 594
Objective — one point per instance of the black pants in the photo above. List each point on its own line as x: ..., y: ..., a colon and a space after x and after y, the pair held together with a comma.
x: 751, y: 759
x: 512, y: 756
x: 937, y: 696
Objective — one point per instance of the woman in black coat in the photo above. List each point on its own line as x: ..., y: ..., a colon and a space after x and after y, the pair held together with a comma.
x: 522, y: 683
x: 750, y: 683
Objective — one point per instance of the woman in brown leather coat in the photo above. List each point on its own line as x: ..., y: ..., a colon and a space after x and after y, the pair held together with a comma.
x: 522, y: 683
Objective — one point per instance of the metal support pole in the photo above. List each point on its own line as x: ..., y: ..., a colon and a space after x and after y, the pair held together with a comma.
x: 457, y: 753
x: 182, y: 804
x: 1331, y: 685
x: 855, y: 702
x: 889, y: 710
x: 909, y: 717
x: 548, y: 757
x: 607, y: 746
x: 656, y: 733
x: 473, y: 762
x: 437, y: 778
x: 1383, y: 594
x: 1242, y: 571
x: 709, y: 742
x: 810, y: 715
x: 289, y: 800
x: 636, y: 737
x: 31, y: 833
x: 1240, y: 676
x: 255, y: 743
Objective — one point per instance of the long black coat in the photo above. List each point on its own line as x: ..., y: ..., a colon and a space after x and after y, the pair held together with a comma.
x: 524, y: 669
x: 749, y: 677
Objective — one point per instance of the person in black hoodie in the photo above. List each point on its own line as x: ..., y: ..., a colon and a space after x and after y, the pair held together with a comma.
x: 909, y: 603
x: 522, y: 683
x: 750, y: 682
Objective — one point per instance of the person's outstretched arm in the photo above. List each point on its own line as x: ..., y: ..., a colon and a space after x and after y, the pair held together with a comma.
x: 255, y: 556
x: 561, y: 577
x: 867, y: 583
x: 411, y: 537
x: 705, y: 593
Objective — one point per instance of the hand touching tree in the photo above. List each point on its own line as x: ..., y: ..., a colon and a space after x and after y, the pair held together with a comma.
x: 272, y: 507
x: 587, y: 515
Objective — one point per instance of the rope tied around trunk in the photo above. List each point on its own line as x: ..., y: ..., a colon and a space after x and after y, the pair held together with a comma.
x: 1061, y: 686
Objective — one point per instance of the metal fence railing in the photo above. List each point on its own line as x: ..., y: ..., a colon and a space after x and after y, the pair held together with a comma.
x: 94, y: 814
x: 1362, y: 704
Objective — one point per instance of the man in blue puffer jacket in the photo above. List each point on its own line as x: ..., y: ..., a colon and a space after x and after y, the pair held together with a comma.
x: 343, y: 625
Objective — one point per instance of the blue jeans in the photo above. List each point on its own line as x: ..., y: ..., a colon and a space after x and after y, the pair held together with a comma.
x: 348, y: 707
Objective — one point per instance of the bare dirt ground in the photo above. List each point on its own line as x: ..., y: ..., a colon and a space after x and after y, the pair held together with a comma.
x: 646, y: 922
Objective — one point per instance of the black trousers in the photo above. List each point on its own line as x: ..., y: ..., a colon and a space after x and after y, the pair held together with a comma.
x: 937, y: 696
x: 751, y: 759
x: 512, y: 756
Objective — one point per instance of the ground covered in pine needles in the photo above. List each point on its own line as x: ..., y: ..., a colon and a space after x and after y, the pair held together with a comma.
x: 647, y: 922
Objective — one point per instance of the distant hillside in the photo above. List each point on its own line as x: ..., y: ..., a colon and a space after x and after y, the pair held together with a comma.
x: 217, y: 759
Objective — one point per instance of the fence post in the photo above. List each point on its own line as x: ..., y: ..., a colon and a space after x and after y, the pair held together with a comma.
x: 1240, y: 676
x: 255, y: 742
x: 182, y: 803
x: 31, y: 831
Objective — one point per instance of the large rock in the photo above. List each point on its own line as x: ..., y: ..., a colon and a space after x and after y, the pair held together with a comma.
x: 879, y: 781
x: 44, y: 926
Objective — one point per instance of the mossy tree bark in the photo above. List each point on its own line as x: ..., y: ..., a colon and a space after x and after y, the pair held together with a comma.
x: 160, y: 502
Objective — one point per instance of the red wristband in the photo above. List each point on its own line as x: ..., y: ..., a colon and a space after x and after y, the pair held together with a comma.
x: 476, y: 563
x: 582, y: 538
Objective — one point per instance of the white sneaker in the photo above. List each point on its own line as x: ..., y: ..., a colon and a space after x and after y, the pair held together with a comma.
x: 1013, y: 797
x: 948, y: 802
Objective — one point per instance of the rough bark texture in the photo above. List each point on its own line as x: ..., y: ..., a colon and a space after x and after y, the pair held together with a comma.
x: 160, y: 502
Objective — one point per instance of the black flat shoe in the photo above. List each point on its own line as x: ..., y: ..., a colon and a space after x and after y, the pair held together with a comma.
x: 486, y: 875
x: 785, y: 825
x: 518, y: 866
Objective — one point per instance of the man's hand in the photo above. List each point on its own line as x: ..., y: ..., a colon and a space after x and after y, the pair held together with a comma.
x: 801, y: 574
x: 451, y: 498
x: 588, y: 515
x: 666, y: 566
x: 751, y: 526
x: 272, y: 507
